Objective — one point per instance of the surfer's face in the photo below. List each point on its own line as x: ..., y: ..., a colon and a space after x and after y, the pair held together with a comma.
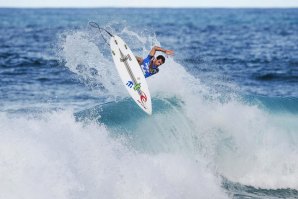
x: 158, y: 62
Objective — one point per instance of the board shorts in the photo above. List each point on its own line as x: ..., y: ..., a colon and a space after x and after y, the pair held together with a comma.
x: 146, y: 69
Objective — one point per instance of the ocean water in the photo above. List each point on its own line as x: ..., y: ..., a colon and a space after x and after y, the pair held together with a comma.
x: 225, y: 107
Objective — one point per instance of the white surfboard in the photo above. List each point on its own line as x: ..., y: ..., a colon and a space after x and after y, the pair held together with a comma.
x: 131, y: 73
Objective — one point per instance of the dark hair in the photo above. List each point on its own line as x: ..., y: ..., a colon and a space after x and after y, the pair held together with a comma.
x: 161, y: 57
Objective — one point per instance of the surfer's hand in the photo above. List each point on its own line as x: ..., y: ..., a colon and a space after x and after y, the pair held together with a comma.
x: 169, y: 52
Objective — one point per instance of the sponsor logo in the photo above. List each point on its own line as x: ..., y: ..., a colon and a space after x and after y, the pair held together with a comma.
x: 143, y: 99
x: 129, y: 84
x: 137, y: 87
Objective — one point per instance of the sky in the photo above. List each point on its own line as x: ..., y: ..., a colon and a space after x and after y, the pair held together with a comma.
x: 151, y: 3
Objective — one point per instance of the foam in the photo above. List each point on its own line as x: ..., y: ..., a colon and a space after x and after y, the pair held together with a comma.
x: 56, y: 157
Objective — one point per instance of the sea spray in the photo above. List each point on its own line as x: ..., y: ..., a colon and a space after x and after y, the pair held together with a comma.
x: 55, y: 156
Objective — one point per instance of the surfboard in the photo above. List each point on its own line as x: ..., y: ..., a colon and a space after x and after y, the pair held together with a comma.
x: 131, y: 73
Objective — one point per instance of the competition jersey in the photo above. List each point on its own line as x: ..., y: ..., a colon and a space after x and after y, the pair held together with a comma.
x: 146, y: 69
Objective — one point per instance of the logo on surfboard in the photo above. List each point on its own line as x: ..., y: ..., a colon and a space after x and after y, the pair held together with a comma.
x: 143, y: 99
x: 143, y: 96
x: 129, y: 84
x: 136, y: 86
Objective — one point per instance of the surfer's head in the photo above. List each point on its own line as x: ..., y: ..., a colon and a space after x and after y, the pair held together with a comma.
x: 159, y: 60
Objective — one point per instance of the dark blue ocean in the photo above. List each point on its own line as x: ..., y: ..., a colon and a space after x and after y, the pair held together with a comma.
x: 225, y: 106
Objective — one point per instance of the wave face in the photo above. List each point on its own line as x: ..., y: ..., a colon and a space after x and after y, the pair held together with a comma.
x: 69, y: 129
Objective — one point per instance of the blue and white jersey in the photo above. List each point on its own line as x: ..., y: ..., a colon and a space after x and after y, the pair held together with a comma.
x: 146, y: 67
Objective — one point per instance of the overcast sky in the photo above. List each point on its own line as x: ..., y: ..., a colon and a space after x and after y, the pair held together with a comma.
x: 149, y: 3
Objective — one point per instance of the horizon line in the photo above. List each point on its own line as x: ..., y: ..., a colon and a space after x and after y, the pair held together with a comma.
x: 129, y: 7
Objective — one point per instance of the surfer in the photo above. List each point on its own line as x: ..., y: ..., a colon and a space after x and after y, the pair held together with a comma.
x: 150, y: 64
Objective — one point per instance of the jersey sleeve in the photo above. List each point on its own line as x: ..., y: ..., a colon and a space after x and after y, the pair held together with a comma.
x: 147, y: 59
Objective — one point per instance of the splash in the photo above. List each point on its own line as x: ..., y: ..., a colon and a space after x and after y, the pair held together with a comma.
x: 55, y: 156
x: 93, y: 68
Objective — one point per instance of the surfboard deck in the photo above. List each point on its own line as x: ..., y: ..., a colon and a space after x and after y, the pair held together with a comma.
x: 131, y: 73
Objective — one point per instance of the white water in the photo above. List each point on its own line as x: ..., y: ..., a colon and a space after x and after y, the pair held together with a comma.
x: 56, y: 157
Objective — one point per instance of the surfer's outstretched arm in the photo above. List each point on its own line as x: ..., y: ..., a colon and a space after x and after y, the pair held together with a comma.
x: 157, y: 48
